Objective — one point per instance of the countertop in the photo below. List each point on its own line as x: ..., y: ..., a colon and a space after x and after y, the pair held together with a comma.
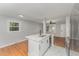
x: 36, y: 37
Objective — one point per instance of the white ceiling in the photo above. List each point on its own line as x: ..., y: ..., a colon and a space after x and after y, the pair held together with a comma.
x: 35, y: 11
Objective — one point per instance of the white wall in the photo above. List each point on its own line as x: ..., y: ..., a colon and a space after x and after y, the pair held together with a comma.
x: 27, y: 28
x: 60, y: 30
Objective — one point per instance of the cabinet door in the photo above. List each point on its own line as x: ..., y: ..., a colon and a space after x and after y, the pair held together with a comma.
x: 47, y: 43
x: 33, y: 48
x: 42, y: 47
x: 44, y: 44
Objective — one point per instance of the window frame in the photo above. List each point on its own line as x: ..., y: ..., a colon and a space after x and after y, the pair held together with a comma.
x: 14, y: 26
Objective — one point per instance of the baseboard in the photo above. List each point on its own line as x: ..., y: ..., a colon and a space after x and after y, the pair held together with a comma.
x: 3, y: 46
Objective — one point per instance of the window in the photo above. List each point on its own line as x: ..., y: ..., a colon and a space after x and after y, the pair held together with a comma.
x: 13, y: 26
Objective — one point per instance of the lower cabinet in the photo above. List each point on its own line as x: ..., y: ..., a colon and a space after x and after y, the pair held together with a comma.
x: 44, y: 45
x: 38, y: 48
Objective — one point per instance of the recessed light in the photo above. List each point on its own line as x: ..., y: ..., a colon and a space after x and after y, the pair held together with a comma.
x: 21, y: 16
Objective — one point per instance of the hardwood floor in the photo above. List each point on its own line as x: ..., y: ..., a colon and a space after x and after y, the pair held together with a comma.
x: 19, y: 49
x: 59, y: 41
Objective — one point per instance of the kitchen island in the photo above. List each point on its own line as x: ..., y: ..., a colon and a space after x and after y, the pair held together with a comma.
x: 38, y: 45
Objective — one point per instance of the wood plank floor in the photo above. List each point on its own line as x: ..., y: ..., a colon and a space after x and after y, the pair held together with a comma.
x: 59, y: 41
x: 19, y: 49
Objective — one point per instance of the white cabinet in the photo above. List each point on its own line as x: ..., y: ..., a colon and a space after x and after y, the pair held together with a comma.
x: 44, y: 44
x: 33, y: 47
x: 38, y: 48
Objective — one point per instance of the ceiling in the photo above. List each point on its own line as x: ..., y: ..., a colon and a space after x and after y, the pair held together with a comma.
x: 36, y: 11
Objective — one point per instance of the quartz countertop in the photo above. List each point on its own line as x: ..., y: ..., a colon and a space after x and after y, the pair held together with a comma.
x: 36, y: 37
